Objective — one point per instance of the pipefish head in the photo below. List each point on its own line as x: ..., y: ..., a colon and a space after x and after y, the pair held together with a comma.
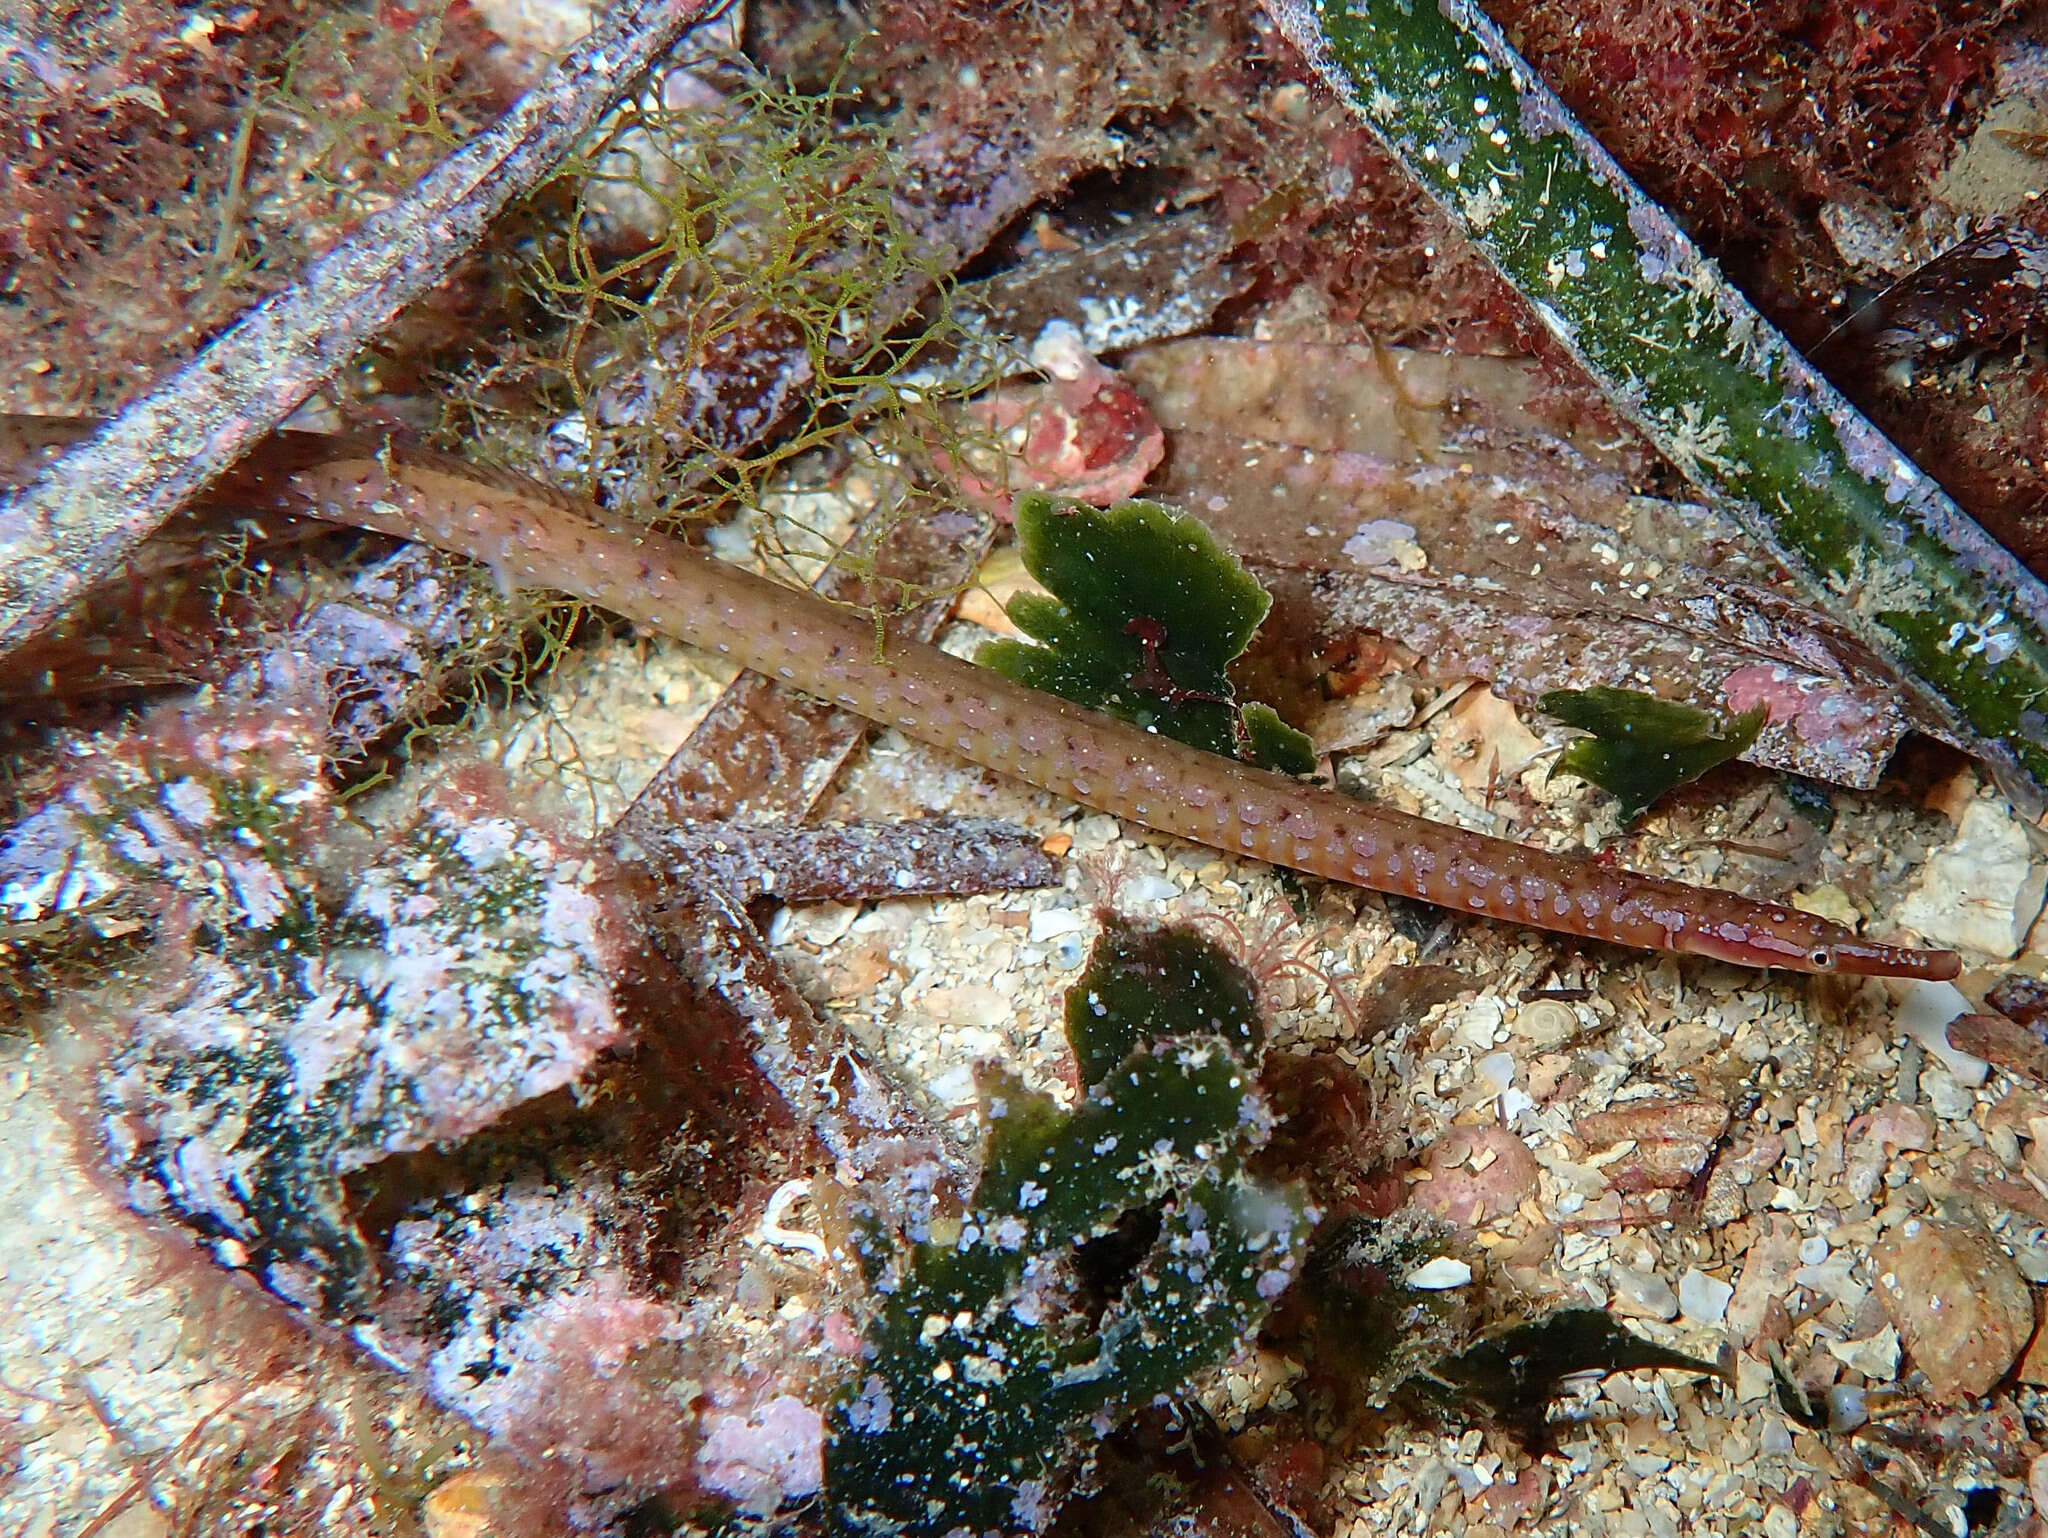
x: 1793, y: 941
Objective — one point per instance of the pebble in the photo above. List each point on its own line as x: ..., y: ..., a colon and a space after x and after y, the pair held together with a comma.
x: 1958, y: 1303
x: 1097, y: 831
x: 463, y: 1506
x: 1642, y: 1294
x: 136, y: 1521
x: 1984, y: 891
x: 1703, y: 1299
x: 1925, y: 1010
x: 2032, y: 1260
x: 1829, y: 902
x: 2008, y: 1043
x: 1875, y: 1356
x: 1439, y: 1275
x: 954, y: 1086
x: 1150, y: 889
x: 1496, y: 1072
x: 1477, y: 1174
x: 1944, y: 1096
x: 1051, y: 923
x: 979, y: 1010
x: 2034, y: 1362
x: 1870, y: 236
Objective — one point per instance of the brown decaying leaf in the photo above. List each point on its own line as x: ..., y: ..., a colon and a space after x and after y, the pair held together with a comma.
x: 766, y: 753
x: 1422, y: 499
x: 2004, y: 1042
x: 1985, y: 291
x: 1672, y: 1138
x: 1166, y: 278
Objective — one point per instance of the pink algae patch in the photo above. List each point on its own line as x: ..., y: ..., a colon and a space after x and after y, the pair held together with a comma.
x: 1819, y: 711
x: 760, y: 1460
x: 1083, y: 433
x: 1475, y: 1175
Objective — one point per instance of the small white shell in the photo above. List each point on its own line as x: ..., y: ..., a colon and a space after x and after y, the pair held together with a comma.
x: 1439, y: 1275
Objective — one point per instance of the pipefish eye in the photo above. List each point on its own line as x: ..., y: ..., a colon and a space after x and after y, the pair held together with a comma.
x: 1821, y: 958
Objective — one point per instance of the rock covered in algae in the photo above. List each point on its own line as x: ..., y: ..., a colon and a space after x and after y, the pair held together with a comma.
x: 1110, y: 1252
x: 1983, y: 891
x: 466, y: 971
x: 293, y: 1022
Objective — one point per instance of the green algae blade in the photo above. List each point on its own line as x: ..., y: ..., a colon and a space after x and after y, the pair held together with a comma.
x: 1690, y: 361
x: 1643, y: 746
x: 1110, y: 1252
x: 1272, y: 744
x: 1146, y: 615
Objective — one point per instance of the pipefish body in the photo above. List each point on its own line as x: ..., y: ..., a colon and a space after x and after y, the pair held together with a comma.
x: 543, y: 536
x: 535, y: 534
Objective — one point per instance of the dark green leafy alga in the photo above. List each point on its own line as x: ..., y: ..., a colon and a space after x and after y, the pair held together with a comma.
x: 1513, y: 1376
x: 1643, y: 746
x: 1145, y: 615
x: 1368, y: 1322
x: 1272, y: 744
x: 1110, y: 1253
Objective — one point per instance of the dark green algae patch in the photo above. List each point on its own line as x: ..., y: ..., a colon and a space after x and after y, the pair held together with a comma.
x: 1110, y: 1253
x: 1143, y: 615
x: 1641, y: 746
x: 1511, y: 1377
